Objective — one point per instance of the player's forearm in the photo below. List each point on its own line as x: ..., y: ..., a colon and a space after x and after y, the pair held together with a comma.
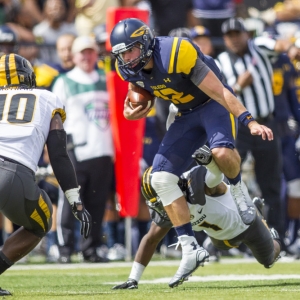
x: 62, y: 166
x: 213, y: 87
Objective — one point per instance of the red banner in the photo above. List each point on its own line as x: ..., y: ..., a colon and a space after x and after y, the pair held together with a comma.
x: 127, y: 135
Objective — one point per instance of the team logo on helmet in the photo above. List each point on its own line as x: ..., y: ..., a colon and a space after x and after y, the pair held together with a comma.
x: 142, y: 30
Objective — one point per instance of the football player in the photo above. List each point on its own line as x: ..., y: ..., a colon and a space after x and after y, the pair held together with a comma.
x: 213, y: 210
x: 174, y: 69
x: 30, y: 118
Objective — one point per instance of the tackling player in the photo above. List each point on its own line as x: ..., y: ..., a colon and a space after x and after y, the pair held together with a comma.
x: 30, y: 118
x: 213, y: 210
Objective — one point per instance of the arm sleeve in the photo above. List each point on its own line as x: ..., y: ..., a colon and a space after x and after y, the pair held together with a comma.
x: 199, y: 72
x: 61, y: 164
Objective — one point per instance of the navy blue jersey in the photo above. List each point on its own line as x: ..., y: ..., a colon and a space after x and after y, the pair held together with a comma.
x: 170, y: 79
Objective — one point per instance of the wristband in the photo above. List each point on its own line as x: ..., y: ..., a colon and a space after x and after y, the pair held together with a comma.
x: 73, y: 195
x: 245, y: 118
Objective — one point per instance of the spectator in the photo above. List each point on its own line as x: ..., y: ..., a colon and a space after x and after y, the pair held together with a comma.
x: 168, y: 14
x: 53, y: 25
x: 247, y: 69
x: 91, y: 13
x: 280, y: 11
x: 64, y: 53
x: 8, y: 40
x: 211, y: 14
x: 202, y: 38
x: 34, y: 8
x: 83, y: 91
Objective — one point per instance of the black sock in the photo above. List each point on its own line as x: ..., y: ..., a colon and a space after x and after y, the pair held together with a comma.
x: 5, y: 263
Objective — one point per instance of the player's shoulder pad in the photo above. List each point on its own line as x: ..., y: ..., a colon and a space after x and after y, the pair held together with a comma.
x: 178, y: 55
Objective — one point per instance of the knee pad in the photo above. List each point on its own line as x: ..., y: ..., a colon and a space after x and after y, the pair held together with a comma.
x: 166, y: 186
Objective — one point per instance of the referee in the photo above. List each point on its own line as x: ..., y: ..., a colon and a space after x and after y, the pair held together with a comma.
x: 246, y: 67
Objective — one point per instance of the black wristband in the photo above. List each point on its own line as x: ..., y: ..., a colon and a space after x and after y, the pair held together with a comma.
x: 245, y: 118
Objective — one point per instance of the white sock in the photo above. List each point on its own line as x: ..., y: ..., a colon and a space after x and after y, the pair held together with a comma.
x: 137, y: 270
x: 213, y: 176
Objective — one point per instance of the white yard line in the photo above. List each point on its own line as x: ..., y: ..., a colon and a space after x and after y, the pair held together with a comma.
x: 110, y: 265
x: 224, y: 278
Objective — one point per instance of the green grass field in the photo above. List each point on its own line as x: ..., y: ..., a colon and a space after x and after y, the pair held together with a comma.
x: 230, y: 279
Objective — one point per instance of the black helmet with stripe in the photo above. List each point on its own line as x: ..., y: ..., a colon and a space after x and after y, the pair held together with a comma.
x: 16, y: 71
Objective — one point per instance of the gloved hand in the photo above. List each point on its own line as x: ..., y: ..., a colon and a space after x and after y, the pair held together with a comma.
x: 130, y: 284
x: 84, y: 217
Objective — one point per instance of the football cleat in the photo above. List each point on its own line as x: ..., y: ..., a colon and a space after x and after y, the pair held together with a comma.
x: 189, y: 263
x: 243, y: 202
x: 5, y: 293
x: 130, y: 284
x: 202, y: 156
x: 275, y: 236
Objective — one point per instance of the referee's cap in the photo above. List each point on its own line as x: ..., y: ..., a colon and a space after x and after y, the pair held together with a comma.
x: 233, y: 24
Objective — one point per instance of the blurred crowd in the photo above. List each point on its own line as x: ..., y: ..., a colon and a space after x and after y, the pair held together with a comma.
x: 58, y: 36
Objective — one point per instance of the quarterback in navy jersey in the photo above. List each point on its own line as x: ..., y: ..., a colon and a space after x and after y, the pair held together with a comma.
x: 175, y: 70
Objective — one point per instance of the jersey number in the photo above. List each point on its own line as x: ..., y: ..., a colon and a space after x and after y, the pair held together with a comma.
x: 211, y: 226
x: 176, y: 97
x: 20, y: 108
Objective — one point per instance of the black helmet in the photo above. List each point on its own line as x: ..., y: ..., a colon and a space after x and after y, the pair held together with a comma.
x: 131, y: 33
x: 16, y: 71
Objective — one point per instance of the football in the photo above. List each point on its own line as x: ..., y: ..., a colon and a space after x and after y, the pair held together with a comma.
x: 139, y: 96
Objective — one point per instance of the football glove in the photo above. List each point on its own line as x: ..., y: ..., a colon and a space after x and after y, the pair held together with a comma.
x: 84, y: 218
x: 130, y: 284
x: 202, y: 156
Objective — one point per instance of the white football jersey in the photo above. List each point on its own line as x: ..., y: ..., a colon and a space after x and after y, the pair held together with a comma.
x: 219, y: 217
x: 25, y: 117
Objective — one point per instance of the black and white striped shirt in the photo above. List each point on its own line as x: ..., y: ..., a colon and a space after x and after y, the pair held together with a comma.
x: 257, y: 97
